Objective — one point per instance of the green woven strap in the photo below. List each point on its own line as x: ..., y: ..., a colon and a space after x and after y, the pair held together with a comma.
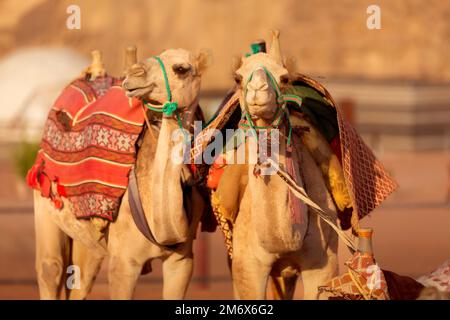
x: 166, y: 79
x: 292, y: 98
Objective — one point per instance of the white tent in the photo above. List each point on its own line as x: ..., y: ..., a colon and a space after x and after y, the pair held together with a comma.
x: 30, y: 81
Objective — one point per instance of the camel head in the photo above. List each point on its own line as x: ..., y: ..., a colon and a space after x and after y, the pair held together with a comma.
x: 146, y: 80
x: 259, y: 77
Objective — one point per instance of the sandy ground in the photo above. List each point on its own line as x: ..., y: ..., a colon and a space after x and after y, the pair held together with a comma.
x: 411, y: 234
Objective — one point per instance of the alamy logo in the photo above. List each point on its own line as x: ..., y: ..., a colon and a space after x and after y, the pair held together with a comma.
x: 374, y: 19
x: 74, y: 278
x: 374, y: 280
x: 74, y: 19
x: 238, y: 146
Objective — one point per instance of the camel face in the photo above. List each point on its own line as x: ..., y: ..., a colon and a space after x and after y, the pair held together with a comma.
x: 256, y: 78
x: 146, y: 79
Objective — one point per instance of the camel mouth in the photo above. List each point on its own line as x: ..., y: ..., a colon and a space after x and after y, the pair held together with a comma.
x: 260, y: 111
x: 259, y: 104
x: 257, y: 108
x: 137, y: 92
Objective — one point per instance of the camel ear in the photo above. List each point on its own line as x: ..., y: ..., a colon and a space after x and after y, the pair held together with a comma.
x: 204, y: 60
x: 236, y: 63
x: 291, y: 65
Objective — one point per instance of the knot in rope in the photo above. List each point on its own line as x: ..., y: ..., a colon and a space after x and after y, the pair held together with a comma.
x: 169, y: 108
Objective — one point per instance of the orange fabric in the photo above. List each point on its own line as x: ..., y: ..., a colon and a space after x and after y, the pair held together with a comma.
x: 215, y: 172
x: 37, y: 179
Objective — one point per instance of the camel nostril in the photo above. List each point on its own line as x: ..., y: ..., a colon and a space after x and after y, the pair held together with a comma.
x: 259, y: 82
x: 136, y: 70
x: 284, y: 79
x: 251, y: 94
x: 258, y: 85
x: 127, y: 84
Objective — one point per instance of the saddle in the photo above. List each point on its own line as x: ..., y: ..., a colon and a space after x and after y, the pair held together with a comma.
x: 88, y: 147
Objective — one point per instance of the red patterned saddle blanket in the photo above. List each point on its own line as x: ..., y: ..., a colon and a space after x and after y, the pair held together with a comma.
x: 88, y: 147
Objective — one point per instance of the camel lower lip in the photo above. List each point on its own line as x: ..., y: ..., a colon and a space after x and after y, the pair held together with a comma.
x: 258, y: 105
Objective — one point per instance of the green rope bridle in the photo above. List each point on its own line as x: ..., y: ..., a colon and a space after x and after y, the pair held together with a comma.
x: 170, y: 107
x: 282, y: 110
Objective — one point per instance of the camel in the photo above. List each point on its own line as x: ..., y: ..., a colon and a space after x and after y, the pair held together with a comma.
x: 63, y: 240
x: 267, y: 242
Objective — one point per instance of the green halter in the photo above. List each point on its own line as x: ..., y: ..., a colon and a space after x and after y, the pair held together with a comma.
x: 281, y: 112
x: 170, y: 107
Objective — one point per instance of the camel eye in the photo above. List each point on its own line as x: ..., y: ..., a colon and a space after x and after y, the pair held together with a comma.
x: 181, y: 69
x: 284, y: 79
x: 238, y: 78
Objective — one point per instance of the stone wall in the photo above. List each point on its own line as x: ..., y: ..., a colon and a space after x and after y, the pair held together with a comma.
x: 329, y: 38
x: 398, y: 116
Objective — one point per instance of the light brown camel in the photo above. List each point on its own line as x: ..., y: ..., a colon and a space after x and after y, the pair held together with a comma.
x: 61, y: 239
x: 266, y: 240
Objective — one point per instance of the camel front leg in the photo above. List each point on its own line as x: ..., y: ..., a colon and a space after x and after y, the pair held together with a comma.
x: 177, y: 273
x: 88, y: 263
x: 52, y: 251
x: 123, y: 276
x: 249, y: 277
x: 313, y: 279
x: 318, y: 265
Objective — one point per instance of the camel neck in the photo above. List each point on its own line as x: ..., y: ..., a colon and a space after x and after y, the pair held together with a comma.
x: 159, y: 185
x: 271, y: 211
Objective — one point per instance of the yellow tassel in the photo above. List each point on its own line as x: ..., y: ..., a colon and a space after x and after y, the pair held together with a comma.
x: 337, y: 184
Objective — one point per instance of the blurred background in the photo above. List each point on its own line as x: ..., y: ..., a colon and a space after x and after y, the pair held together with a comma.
x: 393, y: 83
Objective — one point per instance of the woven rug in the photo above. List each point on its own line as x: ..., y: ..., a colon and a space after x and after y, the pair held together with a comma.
x: 88, y: 146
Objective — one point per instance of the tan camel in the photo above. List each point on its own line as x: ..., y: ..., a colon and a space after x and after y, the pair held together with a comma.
x: 61, y: 239
x: 266, y: 241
